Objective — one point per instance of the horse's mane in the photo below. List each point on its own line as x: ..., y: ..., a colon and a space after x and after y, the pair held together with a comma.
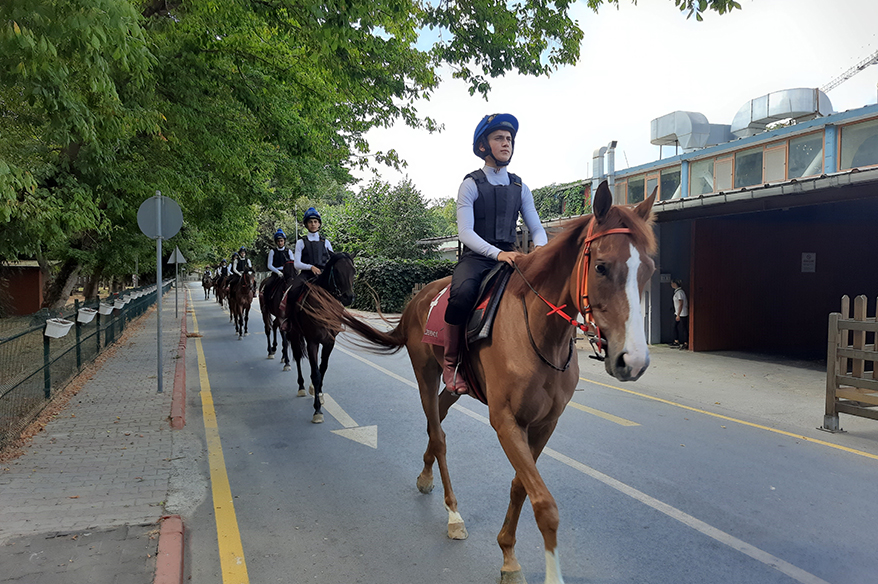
x: 540, y: 265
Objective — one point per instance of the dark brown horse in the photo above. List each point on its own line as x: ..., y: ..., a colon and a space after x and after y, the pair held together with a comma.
x: 305, y: 334
x: 207, y: 284
x: 598, y: 266
x: 271, y: 316
x: 241, y: 291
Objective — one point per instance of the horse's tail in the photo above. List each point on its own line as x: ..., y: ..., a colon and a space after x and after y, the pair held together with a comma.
x: 326, y: 310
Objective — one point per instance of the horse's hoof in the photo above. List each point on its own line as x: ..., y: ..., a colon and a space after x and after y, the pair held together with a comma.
x: 270, y: 356
x: 457, y: 531
x: 301, y: 393
x: 311, y: 389
x: 287, y: 368
x: 425, y: 484
x: 240, y: 338
x: 317, y: 419
x: 516, y: 577
x: 246, y: 334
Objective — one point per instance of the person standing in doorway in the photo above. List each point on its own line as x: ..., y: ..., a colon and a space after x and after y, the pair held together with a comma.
x: 681, y: 316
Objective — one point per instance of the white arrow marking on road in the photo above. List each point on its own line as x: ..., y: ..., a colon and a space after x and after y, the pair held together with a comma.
x: 367, y: 435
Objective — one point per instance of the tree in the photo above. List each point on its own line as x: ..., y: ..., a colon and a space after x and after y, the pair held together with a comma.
x: 230, y: 107
x: 382, y: 221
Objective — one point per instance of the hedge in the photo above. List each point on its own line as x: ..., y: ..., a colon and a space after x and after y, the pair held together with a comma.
x: 393, y: 279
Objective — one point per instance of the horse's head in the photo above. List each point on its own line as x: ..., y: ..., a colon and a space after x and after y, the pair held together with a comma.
x: 338, y: 277
x: 614, y: 272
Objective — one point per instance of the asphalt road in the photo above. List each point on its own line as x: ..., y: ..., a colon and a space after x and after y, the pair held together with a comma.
x: 648, y: 491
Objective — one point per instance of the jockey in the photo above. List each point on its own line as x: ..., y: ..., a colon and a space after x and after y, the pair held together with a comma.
x: 312, y: 251
x: 208, y: 272
x: 488, y: 234
x: 240, y: 264
x: 277, y: 257
x: 223, y: 268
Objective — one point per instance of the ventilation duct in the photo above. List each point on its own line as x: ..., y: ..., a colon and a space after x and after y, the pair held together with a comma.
x: 799, y: 104
x: 688, y: 130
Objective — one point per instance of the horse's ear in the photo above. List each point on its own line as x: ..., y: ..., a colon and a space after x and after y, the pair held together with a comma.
x: 644, y: 208
x: 602, y: 202
x: 353, y: 255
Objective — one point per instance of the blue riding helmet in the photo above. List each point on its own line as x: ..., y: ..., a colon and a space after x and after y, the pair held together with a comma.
x: 223, y: 261
x: 280, y: 234
x: 311, y: 213
x: 490, y: 124
x: 244, y: 249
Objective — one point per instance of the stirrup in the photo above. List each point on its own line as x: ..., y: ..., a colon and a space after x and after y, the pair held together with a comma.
x: 453, y: 388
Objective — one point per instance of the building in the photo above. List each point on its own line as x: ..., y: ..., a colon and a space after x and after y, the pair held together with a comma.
x: 768, y: 220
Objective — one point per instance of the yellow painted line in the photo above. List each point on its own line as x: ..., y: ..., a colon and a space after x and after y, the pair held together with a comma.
x: 604, y: 415
x: 737, y: 421
x: 231, y: 551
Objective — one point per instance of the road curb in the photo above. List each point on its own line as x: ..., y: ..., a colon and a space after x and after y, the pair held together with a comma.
x: 178, y: 401
x: 169, y: 561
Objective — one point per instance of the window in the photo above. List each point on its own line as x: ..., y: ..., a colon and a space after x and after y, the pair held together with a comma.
x: 670, y: 184
x: 859, y: 145
x: 621, y: 193
x: 701, y: 177
x: 723, y: 172
x: 774, y: 163
x: 806, y: 156
x: 748, y: 167
x: 636, y: 186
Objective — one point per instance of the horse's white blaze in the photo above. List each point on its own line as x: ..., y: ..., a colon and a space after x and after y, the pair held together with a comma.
x: 553, y: 568
x: 637, y: 356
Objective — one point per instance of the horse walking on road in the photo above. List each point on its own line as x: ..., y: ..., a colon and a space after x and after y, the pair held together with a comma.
x: 598, y: 267
x: 206, y: 283
x: 271, y: 316
x: 241, y: 292
x: 335, y: 285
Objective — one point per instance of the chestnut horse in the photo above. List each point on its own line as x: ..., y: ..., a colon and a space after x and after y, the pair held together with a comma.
x: 307, y: 335
x: 598, y: 266
x: 241, y: 291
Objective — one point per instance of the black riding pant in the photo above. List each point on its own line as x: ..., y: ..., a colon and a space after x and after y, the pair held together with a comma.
x: 465, y: 283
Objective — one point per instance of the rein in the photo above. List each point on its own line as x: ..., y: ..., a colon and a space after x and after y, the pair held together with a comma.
x: 594, y: 338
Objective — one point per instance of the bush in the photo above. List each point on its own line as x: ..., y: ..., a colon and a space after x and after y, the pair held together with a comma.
x: 393, y: 279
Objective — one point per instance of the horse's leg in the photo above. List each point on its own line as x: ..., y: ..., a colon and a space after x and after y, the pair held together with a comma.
x: 328, y: 345
x: 285, y: 354
x: 427, y: 371
x: 246, y: 320
x: 296, y: 345
x: 522, y: 447
x: 316, y: 379
x: 266, y: 322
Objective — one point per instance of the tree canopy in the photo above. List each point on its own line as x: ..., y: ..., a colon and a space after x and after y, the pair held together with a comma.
x: 231, y: 107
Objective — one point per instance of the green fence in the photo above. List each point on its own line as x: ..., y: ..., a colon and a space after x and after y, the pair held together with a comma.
x: 34, y: 366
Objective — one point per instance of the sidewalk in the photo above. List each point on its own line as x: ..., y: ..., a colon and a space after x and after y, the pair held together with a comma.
x: 84, y: 501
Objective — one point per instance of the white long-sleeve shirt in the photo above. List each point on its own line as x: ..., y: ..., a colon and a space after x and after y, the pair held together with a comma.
x: 271, y: 268
x: 469, y: 192
x: 300, y: 245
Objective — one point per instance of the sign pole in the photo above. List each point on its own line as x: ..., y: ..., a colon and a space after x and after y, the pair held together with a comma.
x: 176, y: 289
x: 158, y: 276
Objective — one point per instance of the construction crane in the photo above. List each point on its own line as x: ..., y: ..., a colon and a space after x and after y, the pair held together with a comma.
x: 870, y: 60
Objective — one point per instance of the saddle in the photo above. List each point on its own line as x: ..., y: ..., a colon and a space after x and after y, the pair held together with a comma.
x: 479, y: 323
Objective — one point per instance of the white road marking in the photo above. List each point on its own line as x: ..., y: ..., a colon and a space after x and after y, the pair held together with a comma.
x: 764, y: 557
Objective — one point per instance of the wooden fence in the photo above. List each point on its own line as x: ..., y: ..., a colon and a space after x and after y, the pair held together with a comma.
x: 851, y: 357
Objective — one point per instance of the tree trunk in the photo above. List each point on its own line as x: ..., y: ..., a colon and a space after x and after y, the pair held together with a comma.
x: 62, y: 286
x: 90, y: 291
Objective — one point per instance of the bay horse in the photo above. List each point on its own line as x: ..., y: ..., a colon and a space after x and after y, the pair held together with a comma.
x: 598, y: 267
x: 206, y: 283
x: 241, y: 292
x: 271, y: 316
x: 306, y: 334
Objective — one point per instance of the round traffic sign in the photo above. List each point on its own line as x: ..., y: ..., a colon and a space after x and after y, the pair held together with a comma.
x: 159, y: 217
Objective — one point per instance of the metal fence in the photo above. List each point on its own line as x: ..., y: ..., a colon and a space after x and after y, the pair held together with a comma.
x: 34, y: 366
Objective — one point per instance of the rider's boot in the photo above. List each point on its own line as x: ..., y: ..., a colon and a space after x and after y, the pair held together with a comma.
x: 451, y: 373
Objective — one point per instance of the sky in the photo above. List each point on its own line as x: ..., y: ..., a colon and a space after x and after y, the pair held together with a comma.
x: 637, y: 63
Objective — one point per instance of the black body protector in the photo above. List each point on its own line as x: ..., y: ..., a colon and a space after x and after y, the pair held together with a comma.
x: 280, y: 257
x: 315, y: 252
x: 496, y: 210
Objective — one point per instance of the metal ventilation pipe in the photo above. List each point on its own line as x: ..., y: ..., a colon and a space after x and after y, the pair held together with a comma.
x: 611, y: 167
x: 597, y: 168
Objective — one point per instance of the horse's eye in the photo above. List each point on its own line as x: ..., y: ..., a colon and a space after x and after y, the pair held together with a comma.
x: 601, y: 269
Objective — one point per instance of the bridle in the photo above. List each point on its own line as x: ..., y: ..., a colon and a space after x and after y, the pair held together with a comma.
x: 590, y: 328
x: 582, y: 284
